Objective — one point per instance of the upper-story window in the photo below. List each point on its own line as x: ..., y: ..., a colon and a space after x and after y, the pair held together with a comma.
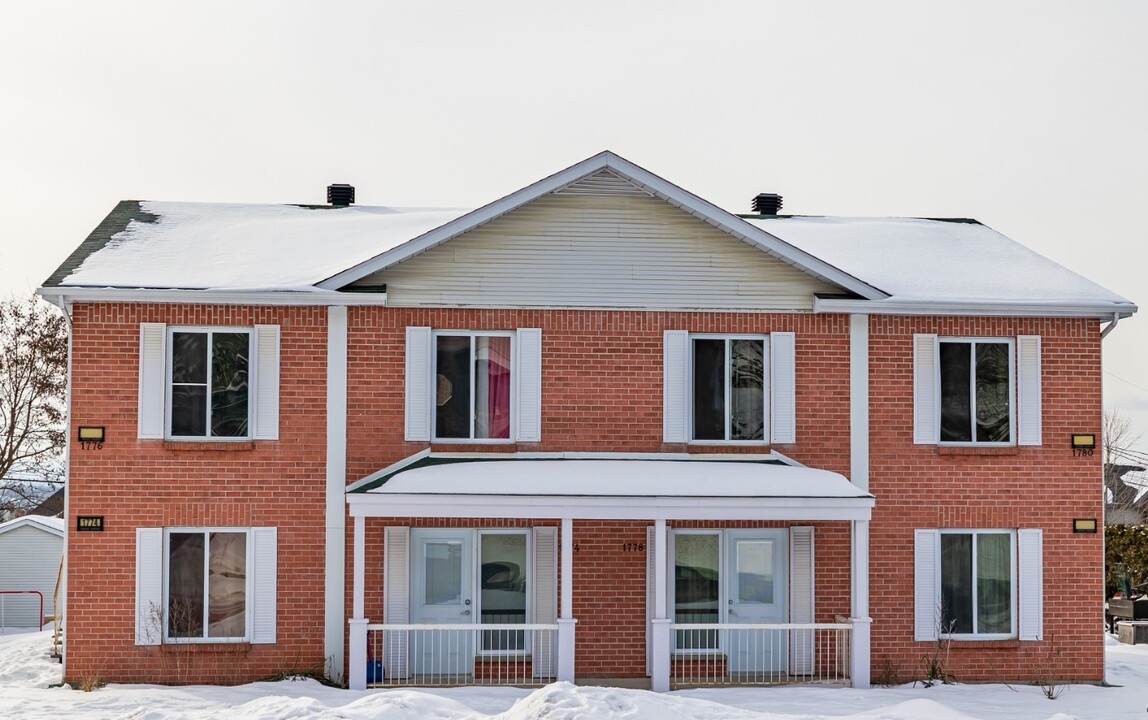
x: 976, y: 391
x: 208, y: 383
x: 473, y: 386
x: 729, y: 388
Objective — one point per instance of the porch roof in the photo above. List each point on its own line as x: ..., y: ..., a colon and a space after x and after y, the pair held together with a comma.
x: 617, y: 489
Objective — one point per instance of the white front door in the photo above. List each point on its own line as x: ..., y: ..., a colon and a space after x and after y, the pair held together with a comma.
x: 442, y: 593
x: 756, y: 590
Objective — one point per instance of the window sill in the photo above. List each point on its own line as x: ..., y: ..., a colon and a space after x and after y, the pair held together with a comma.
x: 973, y: 450
x: 206, y: 647
x: 974, y: 644
x: 208, y: 445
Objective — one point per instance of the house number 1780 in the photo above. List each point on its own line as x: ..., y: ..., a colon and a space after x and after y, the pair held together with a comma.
x: 1082, y: 452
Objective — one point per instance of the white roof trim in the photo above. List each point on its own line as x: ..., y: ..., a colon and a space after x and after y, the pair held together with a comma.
x: 657, y: 186
x: 59, y: 295
x: 616, y: 489
x: 1103, y: 311
x: 52, y: 525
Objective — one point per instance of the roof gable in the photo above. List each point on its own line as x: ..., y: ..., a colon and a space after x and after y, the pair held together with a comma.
x: 584, y: 175
x: 52, y: 526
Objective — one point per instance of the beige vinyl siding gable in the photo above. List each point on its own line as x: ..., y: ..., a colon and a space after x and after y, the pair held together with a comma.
x: 599, y: 250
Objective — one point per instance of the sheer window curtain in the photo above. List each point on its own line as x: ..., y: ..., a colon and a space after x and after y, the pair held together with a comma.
x: 492, y: 388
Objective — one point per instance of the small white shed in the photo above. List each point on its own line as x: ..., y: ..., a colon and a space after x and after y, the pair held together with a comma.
x: 30, y: 551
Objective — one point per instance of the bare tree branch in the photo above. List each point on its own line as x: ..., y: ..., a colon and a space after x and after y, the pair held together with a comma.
x: 33, y: 378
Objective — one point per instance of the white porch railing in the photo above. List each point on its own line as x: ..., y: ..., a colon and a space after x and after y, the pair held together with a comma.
x: 759, y: 654
x: 461, y: 654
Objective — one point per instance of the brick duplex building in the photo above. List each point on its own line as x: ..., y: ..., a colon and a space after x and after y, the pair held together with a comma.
x: 598, y: 429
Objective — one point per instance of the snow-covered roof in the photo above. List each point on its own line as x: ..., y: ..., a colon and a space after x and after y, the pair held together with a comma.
x: 53, y: 525
x: 893, y: 264
x: 620, y: 478
x: 916, y: 260
x: 237, y: 247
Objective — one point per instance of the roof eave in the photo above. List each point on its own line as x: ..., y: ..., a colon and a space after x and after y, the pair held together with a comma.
x: 652, y: 183
x: 61, y: 295
x: 892, y: 306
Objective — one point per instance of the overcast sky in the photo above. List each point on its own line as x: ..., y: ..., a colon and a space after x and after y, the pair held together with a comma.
x: 1029, y: 116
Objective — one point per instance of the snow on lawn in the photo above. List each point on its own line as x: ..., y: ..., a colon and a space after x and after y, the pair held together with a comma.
x: 26, y: 671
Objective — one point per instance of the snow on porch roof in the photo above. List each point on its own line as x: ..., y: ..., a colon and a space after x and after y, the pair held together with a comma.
x: 613, y: 478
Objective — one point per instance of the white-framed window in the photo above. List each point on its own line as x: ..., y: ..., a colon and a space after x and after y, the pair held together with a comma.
x: 206, y: 585
x: 209, y: 382
x: 728, y: 388
x: 978, y: 583
x: 208, y: 394
x: 977, y: 390
x: 474, y: 385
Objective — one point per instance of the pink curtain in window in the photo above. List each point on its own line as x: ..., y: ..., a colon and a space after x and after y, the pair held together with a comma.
x: 492, y: 390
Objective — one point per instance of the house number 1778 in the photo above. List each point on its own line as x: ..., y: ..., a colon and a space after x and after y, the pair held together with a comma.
x: 633, y: 547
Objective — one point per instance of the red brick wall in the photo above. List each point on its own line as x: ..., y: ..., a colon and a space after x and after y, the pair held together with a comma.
x: 921, y: 486
x: 602, y: 392
x: 149, y: 483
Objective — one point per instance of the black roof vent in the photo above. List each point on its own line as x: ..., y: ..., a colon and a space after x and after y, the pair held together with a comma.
x: 341, y: 194
x: 767, y: 204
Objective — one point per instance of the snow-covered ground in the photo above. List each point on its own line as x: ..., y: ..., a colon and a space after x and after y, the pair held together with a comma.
x: 26, y: 672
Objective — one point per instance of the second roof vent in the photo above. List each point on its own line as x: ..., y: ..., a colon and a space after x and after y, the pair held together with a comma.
x: 341, y: 194
x: 767, y: 204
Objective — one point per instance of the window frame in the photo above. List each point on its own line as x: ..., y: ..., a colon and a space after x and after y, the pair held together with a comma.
x: 766, y: 389
x: 672, y: 590
x: 252, y: 362
x: 512, y: 433
x: 527, y: 648
x: 1013, y: 580
x: 1012, y: 389
x: 248, y: 589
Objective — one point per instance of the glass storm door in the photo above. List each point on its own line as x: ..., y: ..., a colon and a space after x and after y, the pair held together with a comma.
x: 756, y: 591
x: 441, y: 593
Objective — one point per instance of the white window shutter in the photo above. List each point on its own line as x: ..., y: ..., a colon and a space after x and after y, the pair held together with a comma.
x: 925, y: 389
x: 529, y: 384
x: 265, y: 415
x: 801, y: 598
x: 545, y: 599
x: 264, y: 584
x: 1028, y: 390
x: 1030, y: 584
x: 782, y: 388
x: 418, y: 384
x: 396, y: 597
x: 153, y: 379
x: 650, y: 598
x: 150, y: 607
x: 926, y: 597
x: 675, y: 384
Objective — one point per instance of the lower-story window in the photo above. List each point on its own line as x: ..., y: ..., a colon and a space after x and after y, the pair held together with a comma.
x: 206, y: 584
x: 977, y: 582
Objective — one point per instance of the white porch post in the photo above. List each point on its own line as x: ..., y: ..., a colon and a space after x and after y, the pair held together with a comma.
x: 859, y: 672
x: 660, y: 633
x: 358, y: 623
x: 566, y: 621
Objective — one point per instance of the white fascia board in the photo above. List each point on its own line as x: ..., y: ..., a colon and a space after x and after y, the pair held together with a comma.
x: 33, y: 521
x: 1103, y: 311
x: 60, y: 295
x: 610, y: 508
x: 650, y: 182
x: 393, y: 467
